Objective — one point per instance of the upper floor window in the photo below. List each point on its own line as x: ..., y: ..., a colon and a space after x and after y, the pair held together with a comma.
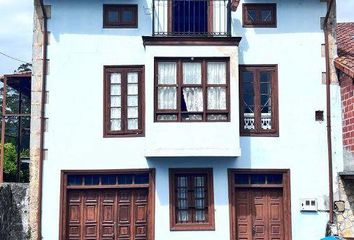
x: 259, y: 15
x: 259, y: 100
x: 120, y: 16
x: 192, y: 90
x: 191, y: 17
x: 123, y: 94
x: 191, y: 199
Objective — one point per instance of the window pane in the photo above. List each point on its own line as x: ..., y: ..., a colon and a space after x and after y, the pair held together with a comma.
x: 127, y: 15
x: 133, y: 124
x: 216, y: 73
x: 257, y: 179
x: 116, y: 125
x: 167, y: 98
x: 248, y: 99
x: 133, y: 112
x: 132, y: 89
x: 266, y: 15
x: 133, y: 101
x: 275, y: 179
x: 115, y: 113
x: 133, y: 77
x: 182, y: 199
x: 251, y: 15
x: 167, y: 117
x: 125, y: 179
x: 92, y: 180
x: 216, y: 98
x: 217, y: 117
x: 108, y: 179
x: 192, y: 117
x: 113, y: 16
x: 242, y: 179
x: 75, y: 180
x: 115, y: 101
x: 142, y: 178
x: 115, y: 89
x: 167, y: 73
x: 192, y: 99
x: 116, y: 78
x: 192, y: 73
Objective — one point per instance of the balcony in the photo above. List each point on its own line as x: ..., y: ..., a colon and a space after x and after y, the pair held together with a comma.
x: 191, y: 18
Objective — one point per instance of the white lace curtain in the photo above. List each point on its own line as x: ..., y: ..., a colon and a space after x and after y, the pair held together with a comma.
x: 193, y: 96
x: 167, y: 95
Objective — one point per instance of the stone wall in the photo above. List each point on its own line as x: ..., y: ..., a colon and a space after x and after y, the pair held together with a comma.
x: 345, y: 220
x: 14, y: 211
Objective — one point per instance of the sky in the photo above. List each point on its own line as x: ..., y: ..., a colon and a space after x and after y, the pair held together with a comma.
x: 16, y: 30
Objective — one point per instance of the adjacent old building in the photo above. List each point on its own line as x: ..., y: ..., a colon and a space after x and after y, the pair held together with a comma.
x: 179, y: 119
x: 345, y: 67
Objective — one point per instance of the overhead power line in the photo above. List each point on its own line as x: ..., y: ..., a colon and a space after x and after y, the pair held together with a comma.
x: 13, y: 58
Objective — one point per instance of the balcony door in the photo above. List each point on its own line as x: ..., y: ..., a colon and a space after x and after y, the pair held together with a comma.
x: 190, y: 17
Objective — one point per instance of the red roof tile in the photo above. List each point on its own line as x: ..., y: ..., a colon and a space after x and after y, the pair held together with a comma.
x: 345, y: 43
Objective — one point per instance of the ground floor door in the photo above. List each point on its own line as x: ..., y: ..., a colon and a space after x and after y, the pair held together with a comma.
x: 117, y: 214
x: 259, y: 214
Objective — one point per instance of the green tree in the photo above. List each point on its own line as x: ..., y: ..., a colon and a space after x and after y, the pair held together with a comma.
x: 10, y: 161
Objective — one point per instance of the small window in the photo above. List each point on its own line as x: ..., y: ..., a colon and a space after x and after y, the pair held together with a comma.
x: 258, y: 179
x: 259, y: 100
x: 191, y: 199
x: 120, y: 16
x: 260, y: 15
x: 192, y: 90
x: 124, y: 91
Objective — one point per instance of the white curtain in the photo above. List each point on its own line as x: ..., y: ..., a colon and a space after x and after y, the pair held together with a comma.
x: 216, y: 73
x: 216, y: 98
x: 167, y: 72
x: 192, y: 73
x: 193, y: 97
x: 167, y: 96
x: 216, y: 95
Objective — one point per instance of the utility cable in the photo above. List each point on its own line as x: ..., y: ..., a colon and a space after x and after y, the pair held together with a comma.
x: 13, y: 58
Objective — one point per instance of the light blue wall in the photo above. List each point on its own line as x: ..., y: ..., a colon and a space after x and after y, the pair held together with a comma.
x: 80, y: 47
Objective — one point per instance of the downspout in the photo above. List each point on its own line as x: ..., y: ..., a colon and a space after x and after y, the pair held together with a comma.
x: 328, y: 110
x: 42, y: 119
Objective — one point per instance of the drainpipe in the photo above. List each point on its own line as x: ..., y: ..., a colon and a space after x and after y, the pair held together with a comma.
x: 328, y: 103
x: 42, y: 119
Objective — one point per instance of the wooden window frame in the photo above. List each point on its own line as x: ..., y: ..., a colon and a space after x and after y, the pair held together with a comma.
x: 259, y: 7
x: 274, y: 132
x: 286, y: 196
x: 120, y: 8
x: 124, y: 132
x: 210, y: 225
x: 179, y: 85
x: 64, y: 191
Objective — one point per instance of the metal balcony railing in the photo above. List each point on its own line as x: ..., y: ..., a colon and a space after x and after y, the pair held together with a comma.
x: 198, y: 18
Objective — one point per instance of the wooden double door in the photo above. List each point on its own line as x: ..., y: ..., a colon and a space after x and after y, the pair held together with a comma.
x: 117, y: 214
x: 259, y: 214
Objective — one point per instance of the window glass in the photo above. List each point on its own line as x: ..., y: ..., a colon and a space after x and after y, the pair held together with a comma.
x: 258, y: 92
x: 185, y: 93
x: 127, y: 16
x: 124, y: 107
x: 120, y: 15
x: 259, y: 15
x: 113, y: 16
x: 192, y: 199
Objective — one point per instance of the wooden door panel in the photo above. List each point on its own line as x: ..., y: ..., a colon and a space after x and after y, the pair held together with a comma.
x: 141, y: 214
x: 276, y: 216
x: 243, y: 215
x: 90, y: 215
x: 107, y: 214
x: 259, y: 214
x: 74, y: 216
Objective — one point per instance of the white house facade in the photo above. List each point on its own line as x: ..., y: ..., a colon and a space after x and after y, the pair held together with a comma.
x: 179, y: 119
